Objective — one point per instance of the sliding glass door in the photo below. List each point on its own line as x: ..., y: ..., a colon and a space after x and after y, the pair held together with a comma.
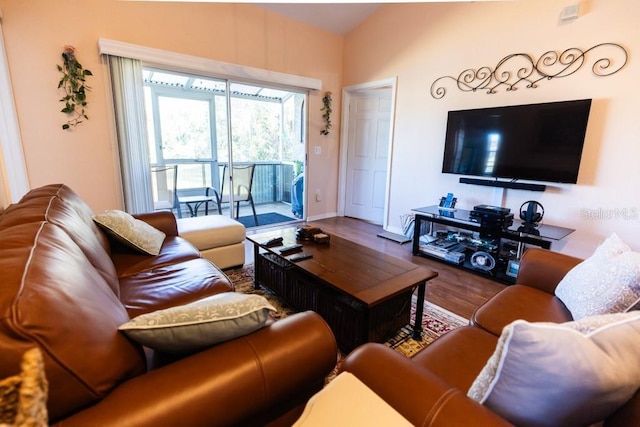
x: 267, y: 131
x: 212, y: 128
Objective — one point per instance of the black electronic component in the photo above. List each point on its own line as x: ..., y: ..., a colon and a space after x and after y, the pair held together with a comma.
x: 492, y: 219
x: 498, y: 210
x: 287, y: 250
x: 535, y: 142
x: 531, y: 214
x: 299, y: 257
x: 503, y: 184
x: 483, y: 261
x: 276, y: 241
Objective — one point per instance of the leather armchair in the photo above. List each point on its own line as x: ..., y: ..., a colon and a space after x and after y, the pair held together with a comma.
x: 430, y: 389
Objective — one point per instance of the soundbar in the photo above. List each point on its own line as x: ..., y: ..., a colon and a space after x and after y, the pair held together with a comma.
x: 504, y: 184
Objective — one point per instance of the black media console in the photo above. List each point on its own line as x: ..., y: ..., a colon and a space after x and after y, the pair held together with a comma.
x: 460, y: 237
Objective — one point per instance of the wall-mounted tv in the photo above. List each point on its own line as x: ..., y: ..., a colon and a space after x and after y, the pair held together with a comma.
x: 537, y: 142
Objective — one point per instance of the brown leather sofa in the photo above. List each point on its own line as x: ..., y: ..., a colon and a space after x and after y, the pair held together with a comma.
x: 66, y: 287
x: 431, y: 388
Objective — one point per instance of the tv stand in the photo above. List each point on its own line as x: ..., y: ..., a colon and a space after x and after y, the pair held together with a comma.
x: 467, y: 244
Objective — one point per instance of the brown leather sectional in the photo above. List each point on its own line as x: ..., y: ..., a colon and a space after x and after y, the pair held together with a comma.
x: 431, y: 388
x: 66, y: 287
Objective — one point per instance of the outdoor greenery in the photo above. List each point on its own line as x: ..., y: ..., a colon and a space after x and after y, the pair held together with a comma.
x: 185, y: 128
x: 189, y: 127
x: 255, y: 130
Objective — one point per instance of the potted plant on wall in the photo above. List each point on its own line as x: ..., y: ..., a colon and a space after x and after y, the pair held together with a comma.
x: 326, y: 116
x: 75, y: 89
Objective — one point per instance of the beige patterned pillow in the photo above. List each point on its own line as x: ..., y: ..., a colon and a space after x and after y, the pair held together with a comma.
x: 575, y: 373
x: 200, y: 324
x: 606, y: 282
x: 132, y: 232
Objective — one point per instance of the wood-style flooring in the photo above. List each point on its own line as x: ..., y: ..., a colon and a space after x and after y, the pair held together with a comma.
x: 454, y: 289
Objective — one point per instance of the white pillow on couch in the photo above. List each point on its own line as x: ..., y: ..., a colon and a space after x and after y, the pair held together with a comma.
x: 194, y: 326
x: 575, y: 373
x: 606, y: 282
x: 130, y: 231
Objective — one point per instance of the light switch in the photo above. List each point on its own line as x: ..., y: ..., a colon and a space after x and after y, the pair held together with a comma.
x: 317, y: 149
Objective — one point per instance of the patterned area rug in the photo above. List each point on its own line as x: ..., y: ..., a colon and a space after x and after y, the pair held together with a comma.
x: 436, y: 321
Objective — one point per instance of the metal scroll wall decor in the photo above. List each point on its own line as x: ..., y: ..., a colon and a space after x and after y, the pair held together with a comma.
x: 521, y: 69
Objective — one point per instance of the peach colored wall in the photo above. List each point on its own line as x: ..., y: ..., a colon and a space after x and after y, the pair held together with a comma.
x: 420, y: 42
x: 35, y: 32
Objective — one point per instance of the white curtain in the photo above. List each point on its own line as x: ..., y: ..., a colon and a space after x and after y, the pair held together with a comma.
x: 128, y: 98
x: 14, y: 181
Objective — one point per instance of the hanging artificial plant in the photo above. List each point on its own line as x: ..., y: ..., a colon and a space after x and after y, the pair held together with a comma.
x: 326, y: 102
x: 73, y: 83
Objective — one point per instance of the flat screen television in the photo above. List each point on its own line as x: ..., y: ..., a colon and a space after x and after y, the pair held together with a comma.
x: 537, y: 142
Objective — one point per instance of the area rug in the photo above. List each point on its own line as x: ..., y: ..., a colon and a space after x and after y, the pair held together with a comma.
x: 436, y: 321
x: 264, y: 219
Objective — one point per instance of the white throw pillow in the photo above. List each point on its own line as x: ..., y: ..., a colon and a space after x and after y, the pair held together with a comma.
x: 132, y: 232
x: 606, y: 282
x: 575, y: 373
x: 200, y: 324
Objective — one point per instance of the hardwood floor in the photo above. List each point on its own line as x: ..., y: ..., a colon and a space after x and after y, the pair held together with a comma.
x: 456, y: 290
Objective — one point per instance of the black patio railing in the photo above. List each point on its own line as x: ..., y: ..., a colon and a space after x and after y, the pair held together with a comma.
x: 271, y: 180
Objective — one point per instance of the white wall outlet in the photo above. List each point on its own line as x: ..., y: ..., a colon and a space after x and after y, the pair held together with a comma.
x: 317, y: 149
x: 318, y: 196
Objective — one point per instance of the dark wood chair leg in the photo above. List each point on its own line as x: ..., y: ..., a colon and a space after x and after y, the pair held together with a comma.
x: 176, y: 203
x: 255, y: 217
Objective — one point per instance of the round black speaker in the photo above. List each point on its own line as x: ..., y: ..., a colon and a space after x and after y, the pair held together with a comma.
x: 483, y: 261
x: 533, y: 213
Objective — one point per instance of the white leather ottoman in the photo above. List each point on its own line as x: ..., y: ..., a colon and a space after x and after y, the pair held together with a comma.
x: 219, y: 238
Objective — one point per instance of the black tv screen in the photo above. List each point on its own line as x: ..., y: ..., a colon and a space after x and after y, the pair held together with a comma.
x: 538, y: 142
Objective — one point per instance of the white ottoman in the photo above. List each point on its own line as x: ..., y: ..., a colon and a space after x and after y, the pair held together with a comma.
x: 346, y: 402
x: 219, y: 238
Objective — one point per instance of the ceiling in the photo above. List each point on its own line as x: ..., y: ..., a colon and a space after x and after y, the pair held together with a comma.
x: 338, y: 18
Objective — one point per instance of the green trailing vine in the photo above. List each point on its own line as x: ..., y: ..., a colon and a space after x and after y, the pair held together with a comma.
x: 75, y: 89
x: 326, y: 102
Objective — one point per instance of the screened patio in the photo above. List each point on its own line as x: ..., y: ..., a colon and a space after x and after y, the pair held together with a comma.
x: 271, y: 188
x: 203, y: 125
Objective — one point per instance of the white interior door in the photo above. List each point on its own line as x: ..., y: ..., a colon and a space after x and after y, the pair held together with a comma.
x: 368, y: 154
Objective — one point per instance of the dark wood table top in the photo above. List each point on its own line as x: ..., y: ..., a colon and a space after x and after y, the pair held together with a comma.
x: 363, y: 273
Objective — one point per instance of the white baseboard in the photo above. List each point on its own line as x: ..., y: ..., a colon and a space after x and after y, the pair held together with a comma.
x: 323, y: 216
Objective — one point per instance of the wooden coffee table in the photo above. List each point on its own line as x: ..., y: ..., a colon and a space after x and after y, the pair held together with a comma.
x: 363, y: 294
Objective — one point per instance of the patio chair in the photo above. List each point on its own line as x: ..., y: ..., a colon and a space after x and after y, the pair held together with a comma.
x: 241, y: 181
x: 197, y: 170
x: 164, y: 180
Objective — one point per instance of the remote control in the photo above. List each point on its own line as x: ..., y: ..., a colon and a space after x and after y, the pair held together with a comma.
x: 300, y: 256
x: 290, y: 249
x: 276, y: 241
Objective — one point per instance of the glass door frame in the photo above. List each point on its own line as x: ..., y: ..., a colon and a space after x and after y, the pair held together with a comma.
x: 175, y: 92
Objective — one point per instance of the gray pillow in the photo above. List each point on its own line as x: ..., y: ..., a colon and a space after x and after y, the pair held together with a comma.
x: 606, y: 282
x: 200, y: 324
x: 576, y: 373
x: 132, y: 232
